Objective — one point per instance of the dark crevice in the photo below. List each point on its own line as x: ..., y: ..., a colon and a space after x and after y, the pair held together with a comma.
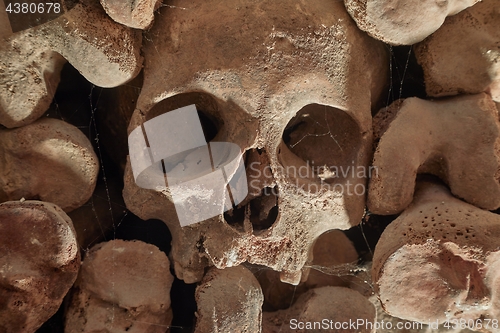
x: 209, y: 125
x: 263, y: 209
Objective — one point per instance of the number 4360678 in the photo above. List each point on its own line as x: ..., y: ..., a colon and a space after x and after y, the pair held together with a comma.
x: 33, y: 8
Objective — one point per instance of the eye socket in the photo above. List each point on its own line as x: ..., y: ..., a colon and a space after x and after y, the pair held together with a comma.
x: 323, y: 137
x: 206, y: 106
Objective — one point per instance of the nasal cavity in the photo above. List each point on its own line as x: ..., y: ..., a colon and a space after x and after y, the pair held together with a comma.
x: 260, y: 208
x: 261, y: 212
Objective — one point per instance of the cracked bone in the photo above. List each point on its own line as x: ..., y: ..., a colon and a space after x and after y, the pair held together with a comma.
x: 440, y: 249
x: 229, y: 300
x: 50, y: 160
x: 39, y: 261
x: 463, y: 56
x: 308, y: 59
x: 403, y: 22
x: 105, y: 52
x: 123, y: 286
x: 324, y: 305
x: 456, y: 139
x: 132, y: 13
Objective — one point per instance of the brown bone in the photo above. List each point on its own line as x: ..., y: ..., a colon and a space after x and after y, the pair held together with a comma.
x: 39, y: 261
x: 50, y: 160
x: 463, y: 56
x: 328, y: 305
x: 134, y: 14
x: 229, y: 300
x: 440, y: 249
x: 124, y: 286
x: 105, y: 52
x: 403, y: 22
x: 456, y: 139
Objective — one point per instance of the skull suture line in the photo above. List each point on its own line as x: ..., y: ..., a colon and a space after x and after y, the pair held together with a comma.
x: 251, y: 67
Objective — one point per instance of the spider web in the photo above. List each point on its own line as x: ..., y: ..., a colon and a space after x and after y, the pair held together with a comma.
x: 80, y: 103
x: 405, y: 80
x: 116, y: 222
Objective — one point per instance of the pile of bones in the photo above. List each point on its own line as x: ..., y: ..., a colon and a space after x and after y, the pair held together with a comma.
x: 301, y: 88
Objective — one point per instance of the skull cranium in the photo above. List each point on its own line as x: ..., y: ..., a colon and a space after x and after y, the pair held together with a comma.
x: 233, y: 61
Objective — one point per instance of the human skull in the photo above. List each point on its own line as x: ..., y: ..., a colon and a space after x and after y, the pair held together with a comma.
x: 290, y: 83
